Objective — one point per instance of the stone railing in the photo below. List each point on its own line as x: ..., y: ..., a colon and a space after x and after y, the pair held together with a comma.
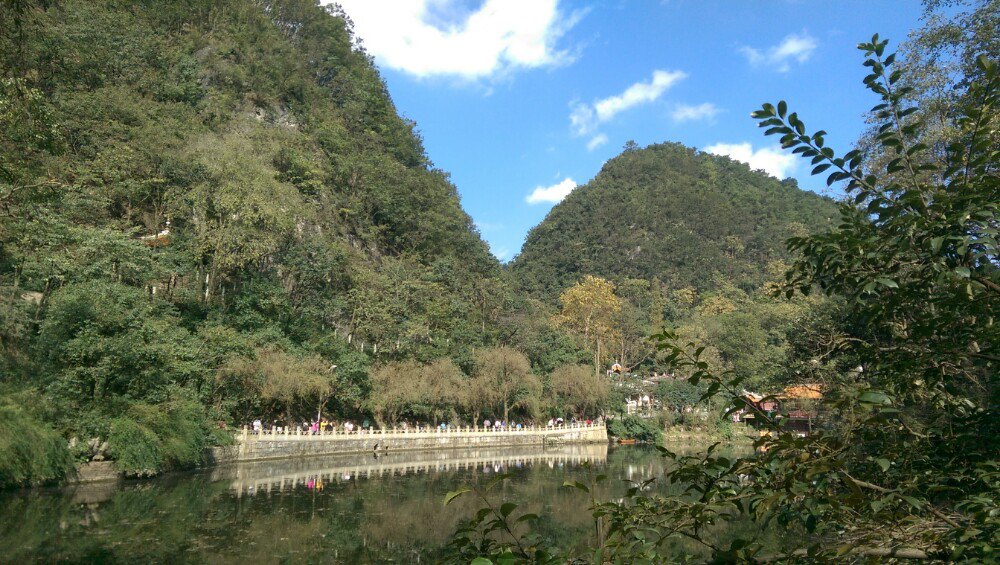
x: 279, y: 433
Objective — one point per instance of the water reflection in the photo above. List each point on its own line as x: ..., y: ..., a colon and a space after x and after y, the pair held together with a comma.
x: 316, y: 473
x: 331, y: 509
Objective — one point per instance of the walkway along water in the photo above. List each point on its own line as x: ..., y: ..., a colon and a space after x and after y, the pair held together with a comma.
x: 288, y: 444
x: 285, y: 444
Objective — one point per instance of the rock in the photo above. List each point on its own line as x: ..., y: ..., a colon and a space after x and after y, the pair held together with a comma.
x: 32, y: 297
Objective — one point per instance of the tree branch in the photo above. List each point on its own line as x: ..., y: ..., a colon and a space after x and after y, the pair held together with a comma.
x: 988, y: 284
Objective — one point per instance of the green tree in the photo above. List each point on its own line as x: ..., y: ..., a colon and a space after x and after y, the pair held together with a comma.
x: 506, y: 374
x: 906, y: 465
x: 575, y: 388
x: 589, y: 309
x: 217, y: 202
x: 393, y: 390
x: 676, y: 395
x: 912, y: 428
x: 442, y: 389
x: 933, y: 60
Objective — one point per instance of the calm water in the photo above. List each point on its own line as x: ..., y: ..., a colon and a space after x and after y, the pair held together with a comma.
x: 333, y: 509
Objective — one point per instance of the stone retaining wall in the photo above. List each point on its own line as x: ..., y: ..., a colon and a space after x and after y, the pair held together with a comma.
x: 250, y: 447
x: 93, y: 472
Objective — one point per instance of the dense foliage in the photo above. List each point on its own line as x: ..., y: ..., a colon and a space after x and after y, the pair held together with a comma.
x: 31, y: 452
x: 673, y: 214
x: 149, y: 439
x: 631, y: 427
x: 668, y: 236
x: 216, y: 204
x: 906, y: 466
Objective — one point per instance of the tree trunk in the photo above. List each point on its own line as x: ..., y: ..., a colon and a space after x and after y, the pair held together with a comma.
x: 597, y: 359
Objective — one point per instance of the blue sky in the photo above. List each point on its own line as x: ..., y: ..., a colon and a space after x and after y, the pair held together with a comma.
x: 521, y: 100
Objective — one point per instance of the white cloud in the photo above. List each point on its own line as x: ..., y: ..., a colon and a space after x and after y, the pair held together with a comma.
x: 685, y: 113
x: 794, y: 47
x: 443, y: 37
x: 501, y: 253
x: 487, y: 227
x: 586, y: 117
x: 771, y: 159
x: 596, y: 141
x: 554, y: 193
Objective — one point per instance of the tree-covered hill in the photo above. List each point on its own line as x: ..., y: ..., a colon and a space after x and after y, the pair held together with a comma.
x: 209, y: 206
x: 671, y: 213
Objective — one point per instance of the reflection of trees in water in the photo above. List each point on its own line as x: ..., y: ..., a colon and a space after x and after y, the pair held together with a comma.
x: 147, y: 522
x: 201, y: 518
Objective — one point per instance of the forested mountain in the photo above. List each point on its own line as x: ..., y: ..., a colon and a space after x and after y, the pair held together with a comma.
x: 672, y: 213
x: 212, y: 211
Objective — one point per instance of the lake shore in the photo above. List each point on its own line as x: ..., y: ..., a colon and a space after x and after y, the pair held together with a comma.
x: 706, y: 438
x: 277, y: 446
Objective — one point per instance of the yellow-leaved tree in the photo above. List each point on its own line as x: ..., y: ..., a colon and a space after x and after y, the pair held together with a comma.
x: 589, y: 309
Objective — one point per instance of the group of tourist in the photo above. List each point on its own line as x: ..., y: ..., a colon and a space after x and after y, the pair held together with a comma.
x: 553, y: 422
x: 328, y: 426
x: 311, y: 428
x: 500, y: 425
x: 573, y: 421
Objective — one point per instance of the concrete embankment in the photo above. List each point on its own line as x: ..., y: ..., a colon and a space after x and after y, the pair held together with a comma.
x: 291, y: 445
x: 251, y: 447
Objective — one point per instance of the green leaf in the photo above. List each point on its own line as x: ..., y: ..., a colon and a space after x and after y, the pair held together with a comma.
x: 506, y: 508
x: 480, y: 561
x: 874, y: 397
x: 963, y: 272
x: 883, y: 464
x: 576, y: 484
x: 526, y: 517
x: 887, y: 282
x: 455, y: 494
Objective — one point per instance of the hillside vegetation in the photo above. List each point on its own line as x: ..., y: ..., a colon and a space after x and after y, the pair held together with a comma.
x: 212, y: 209
x: 671, y: 213
x: 211, y: 212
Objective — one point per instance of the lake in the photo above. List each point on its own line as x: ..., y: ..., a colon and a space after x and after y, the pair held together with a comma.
x: 345, y: 509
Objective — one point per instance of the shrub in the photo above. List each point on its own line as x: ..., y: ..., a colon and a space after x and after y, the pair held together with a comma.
x: 31, y: 452
x: 631, y: 427
x: 150, y: 439
x: 135, y: 448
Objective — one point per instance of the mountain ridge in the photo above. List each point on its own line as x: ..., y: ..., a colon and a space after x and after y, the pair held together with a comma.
x: 673, y: 213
